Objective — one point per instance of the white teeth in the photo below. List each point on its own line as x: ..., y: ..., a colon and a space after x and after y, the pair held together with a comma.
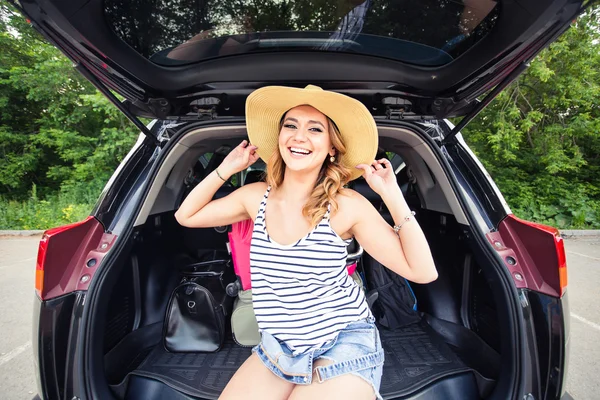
x: 301, y: 151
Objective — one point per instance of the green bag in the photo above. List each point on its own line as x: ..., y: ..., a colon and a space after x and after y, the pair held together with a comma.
x: 243, y: 321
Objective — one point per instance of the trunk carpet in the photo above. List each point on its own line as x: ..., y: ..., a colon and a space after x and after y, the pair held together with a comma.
x: 414, y: 357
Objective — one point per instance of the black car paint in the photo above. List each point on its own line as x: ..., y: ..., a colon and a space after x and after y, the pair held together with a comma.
x: 550, y: 321
x: 114, y: 198
x: 489, y: 206
x: 55, y: 329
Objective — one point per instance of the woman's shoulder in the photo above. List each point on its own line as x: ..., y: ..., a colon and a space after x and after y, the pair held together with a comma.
x: 255, y: 187
x: 350, y: 210
x: 350, y: 202
x: 253, y: 191
x: 251, y: 196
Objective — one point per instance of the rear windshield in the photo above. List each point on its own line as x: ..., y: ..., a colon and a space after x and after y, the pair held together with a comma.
x: 421, y: 32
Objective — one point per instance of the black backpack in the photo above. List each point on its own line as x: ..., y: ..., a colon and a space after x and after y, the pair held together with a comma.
x: 395, y: 305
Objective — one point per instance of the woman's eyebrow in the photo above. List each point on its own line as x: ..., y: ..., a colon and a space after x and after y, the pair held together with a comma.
x: 310, y: 121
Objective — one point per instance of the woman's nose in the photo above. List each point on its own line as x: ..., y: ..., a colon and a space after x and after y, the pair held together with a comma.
x: 300, y: 135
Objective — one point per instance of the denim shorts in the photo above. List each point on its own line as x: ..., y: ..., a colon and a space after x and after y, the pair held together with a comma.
x: 356, y: 350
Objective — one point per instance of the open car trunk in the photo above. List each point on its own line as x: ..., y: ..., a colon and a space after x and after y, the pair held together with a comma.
x: 456, y: 347
x: 436, y: 353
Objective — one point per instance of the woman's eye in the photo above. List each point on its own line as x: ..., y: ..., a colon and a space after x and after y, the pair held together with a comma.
x: 316, y: 130
x: 290, y: 126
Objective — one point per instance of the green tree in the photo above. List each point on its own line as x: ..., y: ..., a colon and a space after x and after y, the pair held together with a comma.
x: 60, y: 139
x: 55, y: 129
x: 540, y: 139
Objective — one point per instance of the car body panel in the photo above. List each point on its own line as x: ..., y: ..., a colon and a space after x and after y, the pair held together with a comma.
x: 530, y: 254
x: 70, y: 257
x: 52, y: 342
x: 549, y: 332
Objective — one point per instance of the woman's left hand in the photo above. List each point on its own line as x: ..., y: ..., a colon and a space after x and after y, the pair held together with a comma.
x: 380, y: 176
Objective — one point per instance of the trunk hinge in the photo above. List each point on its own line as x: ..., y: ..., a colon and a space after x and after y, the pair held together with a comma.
x: 113, y: 99
x: 487, y: 100
x: 396, y: 107
x: 205, y: 107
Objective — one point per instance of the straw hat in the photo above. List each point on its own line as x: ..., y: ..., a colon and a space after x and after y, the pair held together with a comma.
x: 266, y: 106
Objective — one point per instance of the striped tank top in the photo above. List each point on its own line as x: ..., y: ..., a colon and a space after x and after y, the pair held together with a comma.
x: 302, y: 293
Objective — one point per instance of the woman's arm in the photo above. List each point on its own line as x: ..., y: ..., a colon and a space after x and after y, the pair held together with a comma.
x: 198, y: 211
x: 407, y: 253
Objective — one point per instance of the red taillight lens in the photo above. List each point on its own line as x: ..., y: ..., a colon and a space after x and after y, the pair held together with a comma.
x: 562, y: 263
x: 559, y: 245
x: 39, y: 266
x: 43, y: 250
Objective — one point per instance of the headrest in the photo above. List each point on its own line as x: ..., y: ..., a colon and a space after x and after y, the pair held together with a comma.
x: 254, y: 176
x: 362, y: 187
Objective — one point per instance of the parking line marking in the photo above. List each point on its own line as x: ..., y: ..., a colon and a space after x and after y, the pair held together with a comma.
x: 14, y: 352
x: 585, y: 321
x: 583, y: 255
x: 16, y: 263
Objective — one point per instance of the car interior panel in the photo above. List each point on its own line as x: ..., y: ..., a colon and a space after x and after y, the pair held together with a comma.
x: 437, y: 351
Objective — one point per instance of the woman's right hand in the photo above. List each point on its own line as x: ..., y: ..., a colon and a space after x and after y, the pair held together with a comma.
x: 238, y: 159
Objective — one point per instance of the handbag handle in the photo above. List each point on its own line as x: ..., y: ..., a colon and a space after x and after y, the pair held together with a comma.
x: 190, y: 269
x: 206, y: 263
x: 203, y: 273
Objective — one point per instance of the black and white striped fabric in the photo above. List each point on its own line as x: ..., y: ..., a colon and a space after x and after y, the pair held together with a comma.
x: 302, y: 293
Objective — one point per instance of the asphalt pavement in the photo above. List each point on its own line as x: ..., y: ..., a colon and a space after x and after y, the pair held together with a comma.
x: 17, y: 272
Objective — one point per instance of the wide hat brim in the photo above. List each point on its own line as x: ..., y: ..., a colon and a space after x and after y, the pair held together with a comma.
x: 266, y: 106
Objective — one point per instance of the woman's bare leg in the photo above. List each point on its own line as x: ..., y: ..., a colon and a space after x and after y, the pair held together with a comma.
x: 254, y: 381
x: 344, y: 387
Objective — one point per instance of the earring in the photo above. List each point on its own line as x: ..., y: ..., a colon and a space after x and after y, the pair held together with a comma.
x: 332, y: 159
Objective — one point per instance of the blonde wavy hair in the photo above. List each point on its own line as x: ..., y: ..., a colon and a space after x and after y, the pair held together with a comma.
x: 333, y: 176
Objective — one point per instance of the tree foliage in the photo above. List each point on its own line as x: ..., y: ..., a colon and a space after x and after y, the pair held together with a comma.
x: 56, y: 130
x: 540, y: 139
x: 60, y: 139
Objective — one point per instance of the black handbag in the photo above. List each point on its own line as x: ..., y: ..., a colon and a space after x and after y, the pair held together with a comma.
x: 198, y: 308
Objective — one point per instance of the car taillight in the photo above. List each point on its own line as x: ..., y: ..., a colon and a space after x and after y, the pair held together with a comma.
x: 62, y: 256
x: 39, y: 266
x: 559, y: 246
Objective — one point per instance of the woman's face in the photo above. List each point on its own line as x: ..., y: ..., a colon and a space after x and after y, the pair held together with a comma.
x: 304, y: 140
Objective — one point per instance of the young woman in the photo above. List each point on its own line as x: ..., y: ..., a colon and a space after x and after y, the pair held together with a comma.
x: 318, y: 337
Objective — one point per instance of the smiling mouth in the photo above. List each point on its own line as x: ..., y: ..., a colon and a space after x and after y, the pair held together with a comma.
x: 298, y: 151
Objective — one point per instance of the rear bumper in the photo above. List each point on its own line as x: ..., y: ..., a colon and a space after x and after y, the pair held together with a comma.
x: 551, y: 326
x: 53, y: 325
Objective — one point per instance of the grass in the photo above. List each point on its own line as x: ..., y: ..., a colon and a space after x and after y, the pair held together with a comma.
x: 54, y: 210
x: 74, y: 203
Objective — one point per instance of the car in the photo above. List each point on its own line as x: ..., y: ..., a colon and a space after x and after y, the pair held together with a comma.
x: 494, y: 325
